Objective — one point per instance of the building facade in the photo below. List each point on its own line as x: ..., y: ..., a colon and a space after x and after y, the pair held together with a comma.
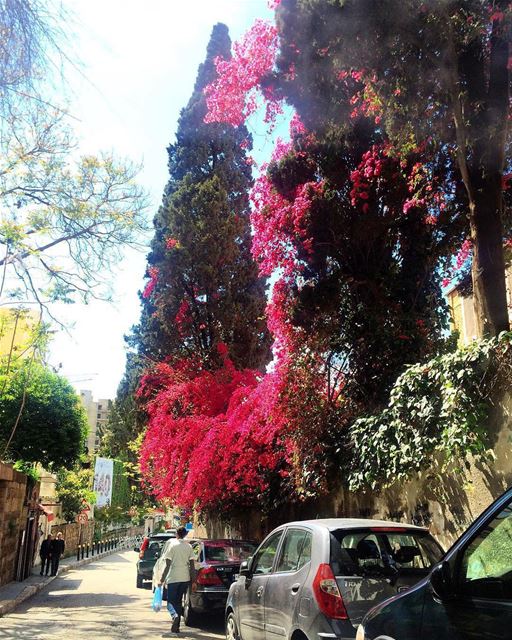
x: 462, y: 311
x: 97, y: 417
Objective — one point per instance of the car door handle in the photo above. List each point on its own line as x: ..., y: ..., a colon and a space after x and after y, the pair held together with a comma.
x: 259, y: 592
x: 295, y: 587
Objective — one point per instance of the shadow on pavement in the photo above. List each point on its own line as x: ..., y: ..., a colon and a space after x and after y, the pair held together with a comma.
x: 64, y: 585
x: 59, y: 600
x: 207, y: 624
x: 49, y: 629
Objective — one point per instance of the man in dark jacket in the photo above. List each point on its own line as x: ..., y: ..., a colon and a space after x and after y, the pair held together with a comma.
x: 56, y: 550
x: 44, y: 554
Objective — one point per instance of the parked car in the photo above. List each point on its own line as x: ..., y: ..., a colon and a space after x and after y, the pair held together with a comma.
x: 468, y: 594
x: 317, y: 578
x: 217, y: 565
x: 149, y: 553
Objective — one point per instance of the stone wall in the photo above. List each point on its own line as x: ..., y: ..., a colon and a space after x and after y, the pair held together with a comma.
x: 74, y: 534
x: 14, y: 510
x: 447, y: 503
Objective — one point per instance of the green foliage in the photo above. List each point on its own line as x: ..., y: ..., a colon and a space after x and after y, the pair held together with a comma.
x: 437, y: 414
x: 121, y: 492
x: 28, y: 469
x: 52, y: 426
x: 122, y: 424
x: 73, y: 490
x: 88, y: 207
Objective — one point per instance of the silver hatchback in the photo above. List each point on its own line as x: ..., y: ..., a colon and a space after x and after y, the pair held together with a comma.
x: 316, y: 579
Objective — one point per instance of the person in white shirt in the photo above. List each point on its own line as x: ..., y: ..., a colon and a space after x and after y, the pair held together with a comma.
x: 178, y: 573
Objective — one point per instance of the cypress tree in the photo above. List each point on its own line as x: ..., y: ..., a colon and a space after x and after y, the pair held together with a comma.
x: 204, y: 288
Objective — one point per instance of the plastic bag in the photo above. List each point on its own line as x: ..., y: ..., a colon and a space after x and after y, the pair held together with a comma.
x: 156, y: 604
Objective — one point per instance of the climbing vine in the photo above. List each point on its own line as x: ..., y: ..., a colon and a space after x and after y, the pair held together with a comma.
x: 438, y: 410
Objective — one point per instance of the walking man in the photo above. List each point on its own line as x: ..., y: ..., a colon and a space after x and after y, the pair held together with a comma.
x: 44, y: 554
x: 56, y: 550
x: 179, y: 571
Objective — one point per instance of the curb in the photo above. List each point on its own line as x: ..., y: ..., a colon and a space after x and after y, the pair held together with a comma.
x: 7, y: 606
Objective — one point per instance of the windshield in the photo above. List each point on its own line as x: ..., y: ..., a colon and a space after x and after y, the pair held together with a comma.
x: 228, y: 551
x: 363, y: 552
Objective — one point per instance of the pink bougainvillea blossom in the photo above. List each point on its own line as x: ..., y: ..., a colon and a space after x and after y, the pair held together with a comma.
x: 233, y: 96
x: 153, y: 279
x: 296, y: 126
x: 183, y: 317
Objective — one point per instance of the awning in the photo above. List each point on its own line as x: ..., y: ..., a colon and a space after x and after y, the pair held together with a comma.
x: 49, y: 514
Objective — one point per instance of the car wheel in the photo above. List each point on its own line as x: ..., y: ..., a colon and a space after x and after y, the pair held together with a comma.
x: 231, y: 628
x: 140, y: 581
x: 189, y: 615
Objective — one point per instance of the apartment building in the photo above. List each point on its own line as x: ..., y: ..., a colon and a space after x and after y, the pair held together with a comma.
x: 97, y: 416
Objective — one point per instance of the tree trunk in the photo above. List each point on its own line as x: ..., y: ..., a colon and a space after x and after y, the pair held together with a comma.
x: 488, y: 268
x: 482, y: 160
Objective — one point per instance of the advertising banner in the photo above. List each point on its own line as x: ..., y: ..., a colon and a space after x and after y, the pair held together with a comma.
x: 103, y: 476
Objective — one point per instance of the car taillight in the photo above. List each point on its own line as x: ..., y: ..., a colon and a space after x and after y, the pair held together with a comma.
x: 327, y: 594
x: 208, y: 577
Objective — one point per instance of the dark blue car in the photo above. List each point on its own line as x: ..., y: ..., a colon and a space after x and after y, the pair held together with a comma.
x: 468, y: 594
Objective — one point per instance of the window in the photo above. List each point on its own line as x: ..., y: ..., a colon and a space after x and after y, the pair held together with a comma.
x: 99, y: 407
x: 230, y: 551
x: 360, y: 552
x: 486, y: 568
x: 296, y: 550
x: 264, y: 558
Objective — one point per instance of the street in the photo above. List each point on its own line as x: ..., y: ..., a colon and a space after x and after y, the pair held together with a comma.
x: 97, y: 601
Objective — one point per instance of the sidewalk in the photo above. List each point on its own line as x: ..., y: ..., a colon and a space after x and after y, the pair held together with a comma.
x: 14, y: 593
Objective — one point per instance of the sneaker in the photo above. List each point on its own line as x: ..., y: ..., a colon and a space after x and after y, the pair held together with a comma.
x: 171, y: 634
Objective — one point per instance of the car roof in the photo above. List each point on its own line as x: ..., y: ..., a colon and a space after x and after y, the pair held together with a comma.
x: 353, y: 523
x: 166, y: 534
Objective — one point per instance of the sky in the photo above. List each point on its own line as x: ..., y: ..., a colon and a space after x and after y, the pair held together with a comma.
x: 137, y: 67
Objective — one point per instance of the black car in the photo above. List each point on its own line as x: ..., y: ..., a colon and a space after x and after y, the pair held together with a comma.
x: 149, y: 552
x: 468, y: 594
x: 217, y: 565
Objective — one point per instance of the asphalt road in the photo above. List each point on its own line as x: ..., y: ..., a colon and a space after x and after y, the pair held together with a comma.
x: 99, y: 601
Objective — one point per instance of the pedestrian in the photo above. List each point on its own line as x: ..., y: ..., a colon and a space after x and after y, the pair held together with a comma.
x: 45, y: 554
x: 57, y: 549
x: 178, y: 573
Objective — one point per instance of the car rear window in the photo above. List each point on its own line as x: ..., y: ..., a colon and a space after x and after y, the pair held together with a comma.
x: 366, y: 551
x: 228, y: 551
x: 153, y: 549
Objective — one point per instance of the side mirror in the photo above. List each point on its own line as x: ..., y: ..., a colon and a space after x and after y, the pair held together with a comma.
x: 137, y: 549
x: 245, y: 567
x: 441, y: 581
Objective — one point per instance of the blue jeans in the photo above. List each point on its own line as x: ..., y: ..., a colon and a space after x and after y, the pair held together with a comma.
x: 175, y: 593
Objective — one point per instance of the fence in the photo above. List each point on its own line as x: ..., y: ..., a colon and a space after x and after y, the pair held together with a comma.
x: 91, y: 549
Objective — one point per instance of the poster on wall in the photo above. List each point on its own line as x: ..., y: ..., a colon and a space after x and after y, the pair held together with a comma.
x: 103, y: 476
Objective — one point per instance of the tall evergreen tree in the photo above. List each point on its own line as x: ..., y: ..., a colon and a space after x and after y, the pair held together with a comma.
x: 203, y: 287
